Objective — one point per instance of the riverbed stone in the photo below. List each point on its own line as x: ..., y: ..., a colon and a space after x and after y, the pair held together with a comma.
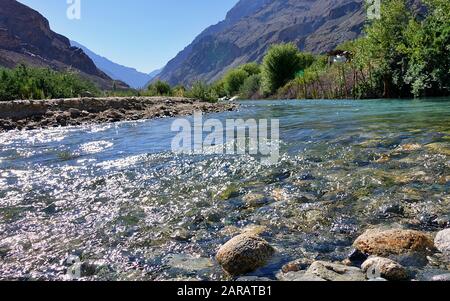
x: 394, y: 242
x: 188, y: 263
x: 439, y: 148
x: 4, y: 250
x: 297, y: 265
x: 384, y: 268
x: 302, y: 276
x: 231, y: 191
x: 255, y: 200
x: 256, y: 230
x: 442, y: 241
x: 335, y: 272
x: 243, y: 254
x: 279, y: 194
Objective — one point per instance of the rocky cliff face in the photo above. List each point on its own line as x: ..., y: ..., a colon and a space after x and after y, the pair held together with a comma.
x: 26, y: 37
x: 253, y: 25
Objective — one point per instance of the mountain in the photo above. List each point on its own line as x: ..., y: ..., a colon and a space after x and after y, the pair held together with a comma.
x: 253, y: 25
x: 131, y: 76
x: 26, y: 37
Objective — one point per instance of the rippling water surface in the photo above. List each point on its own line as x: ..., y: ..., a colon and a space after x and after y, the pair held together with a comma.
x: 117, y: 198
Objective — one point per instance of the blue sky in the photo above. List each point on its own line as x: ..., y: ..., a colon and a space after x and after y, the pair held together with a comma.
x: 144, y: 34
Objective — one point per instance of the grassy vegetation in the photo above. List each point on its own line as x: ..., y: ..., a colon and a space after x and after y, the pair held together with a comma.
x: 40, y: 83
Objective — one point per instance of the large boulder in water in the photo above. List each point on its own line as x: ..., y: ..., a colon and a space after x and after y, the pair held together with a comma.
x: 394, y: 242
x: 244, y: 254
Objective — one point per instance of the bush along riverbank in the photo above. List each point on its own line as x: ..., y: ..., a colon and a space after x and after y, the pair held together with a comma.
x: 32, y: 114
x: 403, y: 54
x: 379, y: 255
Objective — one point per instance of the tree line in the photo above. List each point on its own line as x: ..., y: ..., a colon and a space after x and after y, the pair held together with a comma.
x: 405, y: 53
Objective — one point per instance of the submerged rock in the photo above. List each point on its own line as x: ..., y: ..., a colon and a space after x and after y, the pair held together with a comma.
x: 279, y: 194
x: 439, y: 148
x: 231, y: 191
x: 4, y: 249
x: 376, y: 267
x: 297, y: 265
x: 335, y: 272
x: 243, y: 254
x: 188, y: 263
x: 442, y: 241
x: 256, y: 230
x: 394, y: 242
x: 94, y: 268
x: 255, y: 200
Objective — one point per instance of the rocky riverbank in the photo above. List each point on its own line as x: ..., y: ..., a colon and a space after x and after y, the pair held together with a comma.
x: 379, y: 255
x: 32, y: 114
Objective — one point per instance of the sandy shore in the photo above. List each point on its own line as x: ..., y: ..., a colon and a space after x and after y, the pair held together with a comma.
x: 32, y: 114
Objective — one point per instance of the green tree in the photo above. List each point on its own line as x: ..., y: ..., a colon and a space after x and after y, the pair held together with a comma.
x: 233, y: 80
x: 428, y: 47
x: 384, y: 42
x: 251, y: 86
x: 251, y: 68
x: 280, y: 65
x: 160, y: 88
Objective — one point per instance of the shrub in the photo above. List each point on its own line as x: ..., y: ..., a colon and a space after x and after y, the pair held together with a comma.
x: 202, y: 91
x: 160, y: 88
x: 251, y: 68
x: 233, y: 80
x: 219, y: 88
x: 179, y: 91
x: 251, y: 87
x: 280, y: 65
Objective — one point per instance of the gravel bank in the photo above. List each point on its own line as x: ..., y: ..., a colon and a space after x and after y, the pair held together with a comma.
x: 32, y: 114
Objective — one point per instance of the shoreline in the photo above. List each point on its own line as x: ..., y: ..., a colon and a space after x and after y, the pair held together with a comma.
x: 34, y: 114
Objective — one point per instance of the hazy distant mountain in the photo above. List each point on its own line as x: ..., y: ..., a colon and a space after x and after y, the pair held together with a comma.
x: 131, y: 76
x: 26, y: 37
x: 253, y: 25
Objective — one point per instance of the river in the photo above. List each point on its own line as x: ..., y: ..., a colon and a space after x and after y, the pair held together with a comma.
x: 115, y: 196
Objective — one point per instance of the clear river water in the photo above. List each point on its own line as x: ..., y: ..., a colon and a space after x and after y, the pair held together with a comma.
x: 115, y: 197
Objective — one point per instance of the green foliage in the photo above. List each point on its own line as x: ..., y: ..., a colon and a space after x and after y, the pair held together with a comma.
x: 39, y: 83
x: 251, y: 68
x: 405, y: 55
x: 427, y: 49
x: 251, y: 87
x: 179, y: 91
x: 160, y: 88
x: 219, y: 88
x: 202, y: 91
x: 233, y: 80
x: 281, y: 64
